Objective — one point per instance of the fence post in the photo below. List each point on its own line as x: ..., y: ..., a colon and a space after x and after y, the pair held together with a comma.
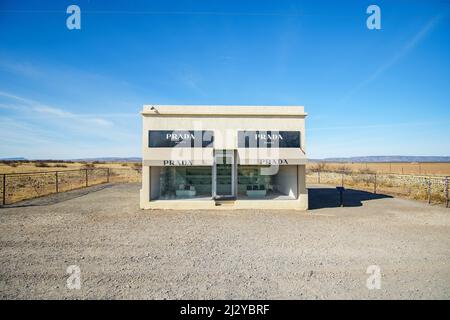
x: 4, y: 189
x: 375, y: 184
x: 342, y: 179
x: 429, y: 190
x: 107, y: 175
x: 56, y: 181
x: 318, y: 177
x: 446, y: 192
x: 86, y: 177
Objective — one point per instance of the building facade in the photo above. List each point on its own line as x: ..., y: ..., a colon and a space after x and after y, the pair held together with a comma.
x: 203, y: 157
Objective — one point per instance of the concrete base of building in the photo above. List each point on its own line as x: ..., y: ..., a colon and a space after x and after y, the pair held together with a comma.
x: 209, y: 204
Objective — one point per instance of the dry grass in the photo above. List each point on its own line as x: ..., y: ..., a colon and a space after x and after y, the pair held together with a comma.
x: 38, y: 178
x: 424, y: 168
x: 441, y: 169
x: 356, y: 175
x: 412, y: 187
x: 42, y: 166
x: 318, y: 167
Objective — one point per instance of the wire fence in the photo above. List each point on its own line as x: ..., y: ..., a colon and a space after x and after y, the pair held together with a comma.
x: 429, y: 188
x: 15, y: 187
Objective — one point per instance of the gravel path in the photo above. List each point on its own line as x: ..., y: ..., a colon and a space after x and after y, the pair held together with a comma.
x: 127, y: 253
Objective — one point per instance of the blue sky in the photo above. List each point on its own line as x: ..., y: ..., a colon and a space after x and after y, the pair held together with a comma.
x: 77, y: 93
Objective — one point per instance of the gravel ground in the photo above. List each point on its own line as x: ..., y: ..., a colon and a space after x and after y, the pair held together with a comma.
x: 127, y: 253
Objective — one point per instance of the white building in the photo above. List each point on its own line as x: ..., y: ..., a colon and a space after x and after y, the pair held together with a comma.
x: 202, y: 157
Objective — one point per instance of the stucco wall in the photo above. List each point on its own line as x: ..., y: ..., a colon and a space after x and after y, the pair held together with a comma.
x: 286, y: 180
x: 225, y: 122
x: 154, y: 181
x: 225, y: 135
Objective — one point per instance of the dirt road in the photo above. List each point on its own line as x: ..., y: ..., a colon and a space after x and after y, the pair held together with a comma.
x: 124, y: 252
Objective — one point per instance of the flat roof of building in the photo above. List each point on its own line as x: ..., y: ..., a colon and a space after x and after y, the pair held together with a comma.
x: 223, y: 110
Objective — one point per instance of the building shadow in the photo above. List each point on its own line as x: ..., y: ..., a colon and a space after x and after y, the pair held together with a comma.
x: 55, y: 198
x: 319, y: 198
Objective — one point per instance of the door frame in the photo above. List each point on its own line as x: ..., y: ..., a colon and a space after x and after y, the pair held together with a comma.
x: 232, y: 154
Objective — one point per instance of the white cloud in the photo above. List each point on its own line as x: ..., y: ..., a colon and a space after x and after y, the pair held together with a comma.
x: 410, y: 45
x: 55, y: 112
x: 21, y: 68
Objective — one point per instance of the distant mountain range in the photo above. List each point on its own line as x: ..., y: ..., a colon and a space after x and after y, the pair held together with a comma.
x: 105, y: 159
x: 386, y: 159
x: 111, y: 159
x: 343, y: 159
x: 13, y: 159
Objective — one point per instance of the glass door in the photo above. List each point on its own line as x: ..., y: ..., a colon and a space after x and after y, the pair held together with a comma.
x: 224, y: 174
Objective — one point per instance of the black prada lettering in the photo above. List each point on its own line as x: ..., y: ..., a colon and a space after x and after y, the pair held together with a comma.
x: 178, y: 163
x: 273, y: 161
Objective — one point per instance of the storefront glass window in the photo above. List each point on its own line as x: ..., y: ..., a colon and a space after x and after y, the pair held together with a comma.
x: 253, y: 184
x: 185, y: 182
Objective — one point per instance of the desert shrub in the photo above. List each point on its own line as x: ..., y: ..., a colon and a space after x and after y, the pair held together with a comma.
x: 137, y: 166
x: 124, y: 164
x: 419, y: 194
x: 319, y: 167
x: 41, y: 164
x: 11, y: 163
x: 367, y: 179
x: 365, y: 176
x: 113, y: 173
x: 60, y: 165
x: 88, y: 166
x: 344, y: 169
x: 388, y: 182
x: 366, y: 171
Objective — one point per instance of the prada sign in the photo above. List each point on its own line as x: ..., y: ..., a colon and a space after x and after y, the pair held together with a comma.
x: 273, y: 161
x: 270, y: 162
x: 178, y: 162
x: 180, y: 139
x: 268, y: 139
